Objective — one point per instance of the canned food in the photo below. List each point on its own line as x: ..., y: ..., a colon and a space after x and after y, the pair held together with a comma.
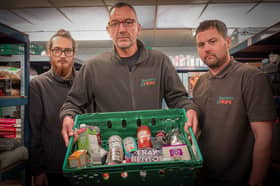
x: 129, y: 144
x: 144, y: 137
x: 115, y: 149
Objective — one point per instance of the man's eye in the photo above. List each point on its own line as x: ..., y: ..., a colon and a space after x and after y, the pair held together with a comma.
x: 129, y: 22
x: 56, y: 49
x: 114, y: 23
x: 212, y: 41
x: 200, y: 45
x: 68, y: 50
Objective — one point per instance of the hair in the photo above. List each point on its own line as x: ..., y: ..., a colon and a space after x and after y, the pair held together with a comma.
x: 120, y: 5
x: 217, y: 24
x: 62, y: 33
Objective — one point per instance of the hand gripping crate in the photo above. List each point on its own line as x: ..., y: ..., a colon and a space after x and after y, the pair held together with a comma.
x: 177, y: 172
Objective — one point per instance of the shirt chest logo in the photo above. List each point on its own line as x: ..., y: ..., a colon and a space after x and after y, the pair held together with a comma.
x: 225, y: 100
x: 148, y: 82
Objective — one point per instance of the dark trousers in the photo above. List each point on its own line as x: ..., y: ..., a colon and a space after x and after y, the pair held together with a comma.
x: 55, y: 179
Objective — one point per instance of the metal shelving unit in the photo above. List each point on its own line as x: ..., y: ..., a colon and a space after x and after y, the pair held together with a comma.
x: 259, y: 46
x: 9, y: 35
x: 191, y: 69
x: 255, y: 49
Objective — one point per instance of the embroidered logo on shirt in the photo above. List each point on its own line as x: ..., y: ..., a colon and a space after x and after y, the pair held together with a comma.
x: 225, y: 100
x: 148, y: 82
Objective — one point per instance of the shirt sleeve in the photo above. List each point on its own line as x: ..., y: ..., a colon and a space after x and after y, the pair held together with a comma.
x: 80, y: 95
x: 36, y: 116
x: 175, y: 93
x: 257, y: 91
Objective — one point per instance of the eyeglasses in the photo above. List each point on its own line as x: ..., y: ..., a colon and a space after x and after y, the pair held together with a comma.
x: 126, y: 23
x: 57, y: 52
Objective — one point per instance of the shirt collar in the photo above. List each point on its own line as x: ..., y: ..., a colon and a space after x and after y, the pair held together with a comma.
x: 143, y: 54
x: 61, y: 80
x: 228, y: 68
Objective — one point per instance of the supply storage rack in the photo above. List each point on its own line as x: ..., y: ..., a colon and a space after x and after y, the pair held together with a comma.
x: 125, y: 124
x: 259, y: 46
x: 9, y: 35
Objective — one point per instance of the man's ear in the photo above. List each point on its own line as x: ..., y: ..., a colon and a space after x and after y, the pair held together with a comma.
x: 139, y: 26
x: 228, y: 40
x: 49, y: 52
x: 108, y: 30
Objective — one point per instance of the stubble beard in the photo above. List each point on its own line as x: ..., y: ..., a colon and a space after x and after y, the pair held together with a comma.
x: 218, y: 62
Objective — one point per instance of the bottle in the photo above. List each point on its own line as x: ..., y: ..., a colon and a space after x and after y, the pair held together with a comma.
x: 144, y: 137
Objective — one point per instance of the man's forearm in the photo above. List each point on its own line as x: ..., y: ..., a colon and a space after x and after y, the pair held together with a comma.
x: 260, y: 164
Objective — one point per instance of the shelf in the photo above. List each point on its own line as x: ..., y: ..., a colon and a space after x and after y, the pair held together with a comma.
x: 7, y: 101
x: 191, y: 69
x: 33, y: 59
x: 259, y: 46
x: 13, y: 167
x: 9, y: 35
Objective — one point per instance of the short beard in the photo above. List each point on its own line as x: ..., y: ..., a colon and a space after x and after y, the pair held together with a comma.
x: 218, y: 63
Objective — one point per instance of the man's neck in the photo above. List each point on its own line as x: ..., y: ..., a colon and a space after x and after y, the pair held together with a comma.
x: 128, y: 52
x: 215, y: 71
x: 64, y: 75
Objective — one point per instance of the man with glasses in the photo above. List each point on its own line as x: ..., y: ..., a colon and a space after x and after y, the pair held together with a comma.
x: 128, y: 78
x: 47, y: 94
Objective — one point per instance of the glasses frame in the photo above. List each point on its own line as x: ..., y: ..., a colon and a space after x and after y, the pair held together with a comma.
x: 62, y: 51
x: 117, y: 24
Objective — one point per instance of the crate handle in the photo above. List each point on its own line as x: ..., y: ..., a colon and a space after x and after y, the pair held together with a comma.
x: 196, y: 152
x: 124, y: 123
x: 109, y: 124
x: 154, y: 121
x: 138, y: 122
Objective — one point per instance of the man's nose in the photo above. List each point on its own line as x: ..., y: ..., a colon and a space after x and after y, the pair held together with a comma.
x: 122, y: 27
x: 63, y: 54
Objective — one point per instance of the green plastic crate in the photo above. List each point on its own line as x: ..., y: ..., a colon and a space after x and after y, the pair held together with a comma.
x: 179, y: 172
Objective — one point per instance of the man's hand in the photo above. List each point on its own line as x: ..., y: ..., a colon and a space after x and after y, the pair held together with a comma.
x: 40, y: 180
x: 192, y: 121
x: 67, y: 129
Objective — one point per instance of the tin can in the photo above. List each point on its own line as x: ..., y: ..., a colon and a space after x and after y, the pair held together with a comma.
x: 115, y: 149
x: 144, y: 137
x: 129, y: 144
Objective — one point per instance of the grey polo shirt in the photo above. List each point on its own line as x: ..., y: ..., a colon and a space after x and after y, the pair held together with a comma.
x: 229, y: 101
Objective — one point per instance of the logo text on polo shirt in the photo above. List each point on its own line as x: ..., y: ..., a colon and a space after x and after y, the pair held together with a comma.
x: 148, y: 82
x: 225, y: 100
